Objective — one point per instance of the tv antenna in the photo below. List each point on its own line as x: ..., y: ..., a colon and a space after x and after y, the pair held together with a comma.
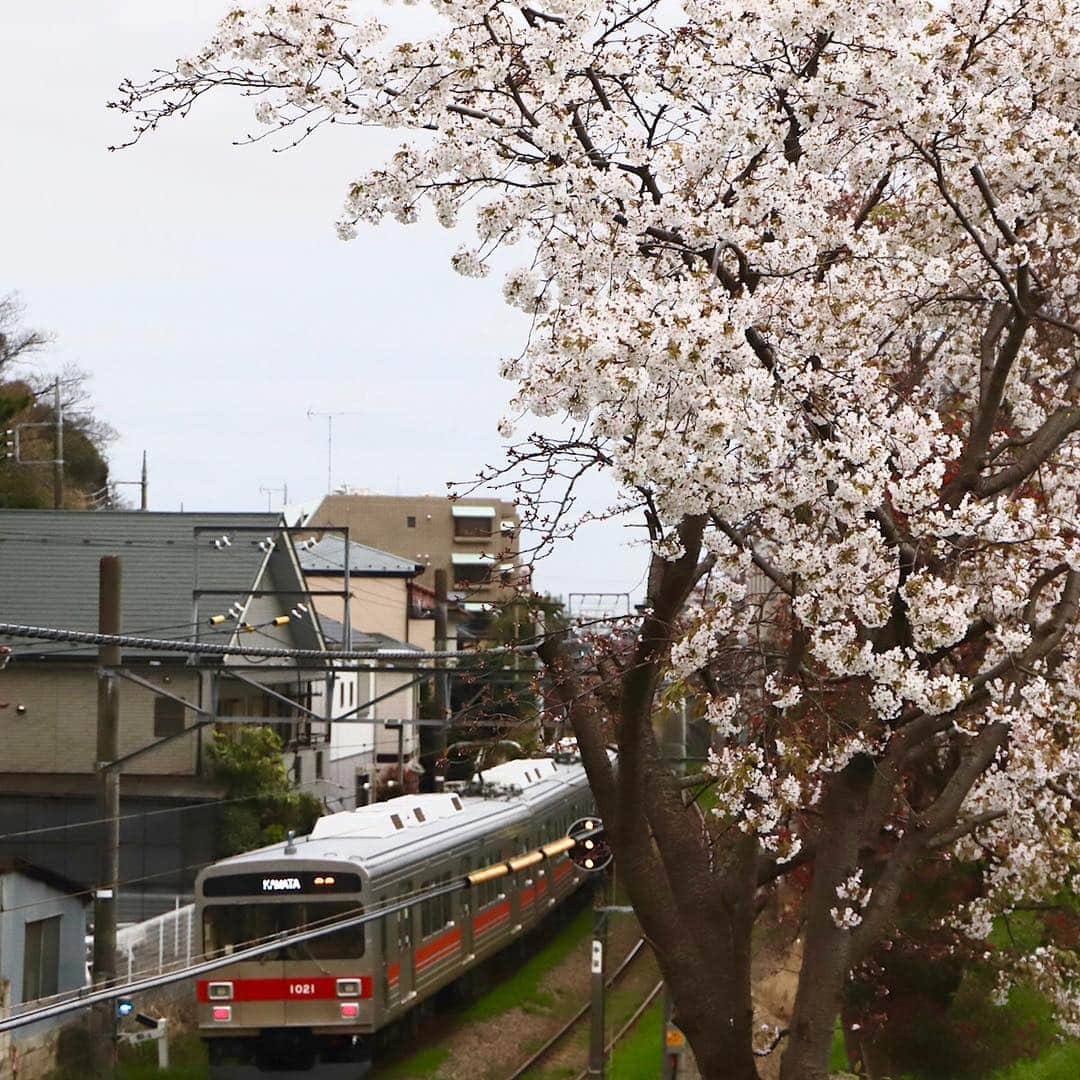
x: 311, y: 414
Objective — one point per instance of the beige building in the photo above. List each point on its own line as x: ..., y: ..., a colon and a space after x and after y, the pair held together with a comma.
x: 475, y: 540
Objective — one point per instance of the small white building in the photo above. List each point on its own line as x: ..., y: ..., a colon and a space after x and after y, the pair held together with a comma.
x: 42, y: 953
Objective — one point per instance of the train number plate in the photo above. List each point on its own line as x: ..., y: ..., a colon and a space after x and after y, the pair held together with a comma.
x: 302, y: 989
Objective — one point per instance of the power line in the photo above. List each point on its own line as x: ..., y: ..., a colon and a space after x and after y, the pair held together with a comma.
x: 143, y: 814
x: 128, y: 641
x: 86, y: 999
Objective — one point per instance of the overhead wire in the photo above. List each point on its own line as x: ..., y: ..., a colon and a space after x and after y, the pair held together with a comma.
x: 84, y: 999
x: 130, y: 641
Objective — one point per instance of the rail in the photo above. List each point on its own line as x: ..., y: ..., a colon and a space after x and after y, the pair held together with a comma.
x: 576, y: 1019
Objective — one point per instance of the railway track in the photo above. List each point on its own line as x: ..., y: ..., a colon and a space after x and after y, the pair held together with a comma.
x: 563, y: 1033
x: 638, y: 1013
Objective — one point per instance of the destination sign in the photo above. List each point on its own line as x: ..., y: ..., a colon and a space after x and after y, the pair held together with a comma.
x: 270, y: 883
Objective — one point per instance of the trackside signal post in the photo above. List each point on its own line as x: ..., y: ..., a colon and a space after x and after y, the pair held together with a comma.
x: 592, y: 854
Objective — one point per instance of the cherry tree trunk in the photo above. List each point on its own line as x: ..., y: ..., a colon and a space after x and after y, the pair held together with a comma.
x: 704, y: 951
x: 827, y: 947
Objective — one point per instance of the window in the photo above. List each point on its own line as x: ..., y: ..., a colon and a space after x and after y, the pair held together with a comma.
x: 168, y: 717
x: 363, y: 789
x: 318, y: 765
x: 478, y: 573
x: 231, y: 926
x: 472, y: 528
x: 41, y: 959
x: 410, y: 522
x: 437, y: 912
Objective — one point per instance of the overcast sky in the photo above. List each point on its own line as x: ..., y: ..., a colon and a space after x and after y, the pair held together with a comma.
x: 204, y: 289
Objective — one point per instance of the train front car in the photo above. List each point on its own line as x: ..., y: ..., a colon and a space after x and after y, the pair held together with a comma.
x: 304, y: 1006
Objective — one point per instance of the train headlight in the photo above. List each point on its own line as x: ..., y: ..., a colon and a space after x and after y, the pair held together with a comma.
x: 220, y: 991
x: 350, y: 1011
x: 348, y: 988
x: 222, y: 1013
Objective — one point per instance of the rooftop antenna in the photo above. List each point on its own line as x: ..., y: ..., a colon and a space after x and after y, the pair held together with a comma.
x: 329, y: 442
x: 268, y: 491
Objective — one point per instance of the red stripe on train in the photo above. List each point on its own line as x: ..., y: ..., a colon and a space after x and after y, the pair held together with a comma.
x: 487, y: 919
x: 438, y: 949
x: 297, y: 989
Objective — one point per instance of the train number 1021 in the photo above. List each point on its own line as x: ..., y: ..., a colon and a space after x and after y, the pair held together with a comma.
x: 301, y: 989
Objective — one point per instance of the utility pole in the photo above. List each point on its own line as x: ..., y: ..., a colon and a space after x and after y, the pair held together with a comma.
x: 144, y: 486
x: 442, y: 702
x: 58, y: 459
x: 108, y: 750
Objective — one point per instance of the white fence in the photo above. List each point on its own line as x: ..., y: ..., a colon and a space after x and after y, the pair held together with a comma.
x: 164, y: 943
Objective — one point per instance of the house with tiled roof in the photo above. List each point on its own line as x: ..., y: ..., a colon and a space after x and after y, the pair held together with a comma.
x: 188, y: 577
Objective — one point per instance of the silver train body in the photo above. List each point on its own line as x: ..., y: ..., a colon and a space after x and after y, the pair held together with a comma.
x: 324, y: 1007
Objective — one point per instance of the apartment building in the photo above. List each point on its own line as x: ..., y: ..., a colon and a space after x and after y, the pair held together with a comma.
x: 475, y: 540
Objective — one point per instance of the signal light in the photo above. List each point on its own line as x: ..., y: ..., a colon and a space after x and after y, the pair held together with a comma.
x: 125, y: 1007
x: 328, y: 879
x: 222, y: 1013
x: 350, y: 1011
x: 348, y: 988
x: 591, y: 850
x: 220, y: 991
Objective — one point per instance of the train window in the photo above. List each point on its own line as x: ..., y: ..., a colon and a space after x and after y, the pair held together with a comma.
x: 456, y: 802
x: 437, y: 911
x: 396, y: 821
x: 229, y: 927
x: 419, y: 814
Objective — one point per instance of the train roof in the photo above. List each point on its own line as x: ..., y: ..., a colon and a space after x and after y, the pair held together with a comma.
x: 386, y: 837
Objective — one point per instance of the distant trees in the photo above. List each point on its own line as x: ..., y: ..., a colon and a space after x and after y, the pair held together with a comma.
x: 26, y: 398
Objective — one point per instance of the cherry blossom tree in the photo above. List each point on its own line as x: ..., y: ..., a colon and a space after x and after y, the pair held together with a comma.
x: 804, y: 279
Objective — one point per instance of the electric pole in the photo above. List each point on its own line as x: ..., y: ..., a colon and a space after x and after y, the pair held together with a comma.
x: 442, y: 702
x: 108, y: 777
x: 58, y: 459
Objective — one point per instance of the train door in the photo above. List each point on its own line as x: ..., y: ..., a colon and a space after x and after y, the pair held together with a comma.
x: 405, y: 937
x: 513, y: 884
x: 468, y: 945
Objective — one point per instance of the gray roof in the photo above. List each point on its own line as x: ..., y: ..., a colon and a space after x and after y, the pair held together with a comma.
x: 49, y: 569
x: 334, y: 634
x: 327, y: 556
x: 73, y: 890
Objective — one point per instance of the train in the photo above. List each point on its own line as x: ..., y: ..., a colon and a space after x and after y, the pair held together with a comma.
x: 327, y: 1006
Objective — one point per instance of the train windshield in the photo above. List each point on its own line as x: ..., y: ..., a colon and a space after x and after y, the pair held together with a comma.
x: 227, y: 928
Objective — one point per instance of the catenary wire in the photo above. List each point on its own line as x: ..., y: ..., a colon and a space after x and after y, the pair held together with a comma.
x: 86, y: 999
x: 51, y: 633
